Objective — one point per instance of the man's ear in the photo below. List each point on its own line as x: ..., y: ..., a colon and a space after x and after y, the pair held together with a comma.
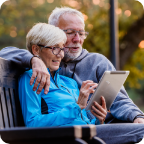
x: 35, y: 50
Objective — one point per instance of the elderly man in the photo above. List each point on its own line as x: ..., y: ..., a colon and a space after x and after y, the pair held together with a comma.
x: 81, y: 65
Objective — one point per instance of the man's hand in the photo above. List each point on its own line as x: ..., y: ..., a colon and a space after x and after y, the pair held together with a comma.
x: 100, y: 111
x: 139, y: 120
x: 41, y: 74
x: 86, y: 88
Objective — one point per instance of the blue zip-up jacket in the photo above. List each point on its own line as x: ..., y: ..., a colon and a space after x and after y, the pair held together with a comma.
x: 88, y: 66
x: 61, y: 101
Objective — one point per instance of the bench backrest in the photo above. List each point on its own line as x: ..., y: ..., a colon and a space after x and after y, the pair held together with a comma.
x: 10, y: 110
x: 11, y: 115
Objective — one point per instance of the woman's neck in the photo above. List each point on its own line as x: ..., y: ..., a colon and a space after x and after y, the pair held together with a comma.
x: 52, y: 74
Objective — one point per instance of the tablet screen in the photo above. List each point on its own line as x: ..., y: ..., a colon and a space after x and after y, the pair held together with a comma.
x: 108, y: 87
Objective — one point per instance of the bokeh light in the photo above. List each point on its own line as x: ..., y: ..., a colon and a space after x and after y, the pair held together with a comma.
x: 107, y: 6
x: 85, y: 17
x: 40, y: 2
x: 13, y: 28
x: 96, y: 2
x: 127, y: 13
x: 101, y: 4
x: 50, y: 1
x: 13, y: 33
x: 73, y: 3
x: 141, y: 44
x: 90, y: 26
x: 118, y: 11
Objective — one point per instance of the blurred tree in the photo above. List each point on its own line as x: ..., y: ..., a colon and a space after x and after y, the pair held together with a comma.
x: 18, y: 16
x: 131, y: 40
x: 131, y: 28
x: 131, y: 33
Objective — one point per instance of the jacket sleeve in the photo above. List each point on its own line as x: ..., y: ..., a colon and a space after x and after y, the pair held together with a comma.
x: 31, y: 108
x: 20, y: 57
x: 123, y: 107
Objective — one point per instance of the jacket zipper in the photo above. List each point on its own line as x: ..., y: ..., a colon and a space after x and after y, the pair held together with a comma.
x: 68, y: 92
x: 75, y: 101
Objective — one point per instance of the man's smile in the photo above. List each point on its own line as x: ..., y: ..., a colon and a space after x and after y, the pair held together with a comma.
x: 73, y: 49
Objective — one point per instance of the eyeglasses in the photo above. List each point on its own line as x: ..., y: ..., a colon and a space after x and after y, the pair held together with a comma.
x: 71, y: 33
x: 55, y: 50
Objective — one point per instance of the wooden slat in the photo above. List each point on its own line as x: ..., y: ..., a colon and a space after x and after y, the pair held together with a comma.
x: 1, y: 115
x: 8, y: 82
x: 8, y: 68
x: 9, y: 107
x: 20, y: 121
x: 13, y: 106
x: 9, y: 73
x: 4, y: 108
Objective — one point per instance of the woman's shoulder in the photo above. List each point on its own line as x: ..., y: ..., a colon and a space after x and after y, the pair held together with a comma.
x: 67, y: 79
x: 26, y: 74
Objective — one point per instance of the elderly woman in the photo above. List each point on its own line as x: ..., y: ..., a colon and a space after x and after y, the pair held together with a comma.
x: 65, y: 102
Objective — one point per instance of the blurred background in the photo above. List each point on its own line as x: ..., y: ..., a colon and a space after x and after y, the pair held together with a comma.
x: 18, y: 16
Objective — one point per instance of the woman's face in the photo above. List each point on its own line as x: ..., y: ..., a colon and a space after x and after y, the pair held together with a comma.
x: 52, y: 61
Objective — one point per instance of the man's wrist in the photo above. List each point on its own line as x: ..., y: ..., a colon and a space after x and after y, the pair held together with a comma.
x: 33, y: 59
x: 37, y: 56
x: 139, y: 116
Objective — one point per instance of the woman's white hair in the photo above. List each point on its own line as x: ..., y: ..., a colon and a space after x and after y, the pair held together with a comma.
x: 57, y: 12
x: 44, y: 34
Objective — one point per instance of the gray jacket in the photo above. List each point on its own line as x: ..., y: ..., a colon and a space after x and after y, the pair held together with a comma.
x: 88, y: 66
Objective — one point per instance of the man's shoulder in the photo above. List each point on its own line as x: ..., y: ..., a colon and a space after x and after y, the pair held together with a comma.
x: 8, y: 52
x: 98, y: 61
x: 91, y: 56
x: 98, y: 55
x: 9, y: 48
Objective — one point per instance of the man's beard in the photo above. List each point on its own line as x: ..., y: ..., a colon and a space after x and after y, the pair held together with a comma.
x: 69, y: 55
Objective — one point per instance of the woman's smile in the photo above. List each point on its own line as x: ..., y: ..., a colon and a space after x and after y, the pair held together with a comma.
x: 57, y: 62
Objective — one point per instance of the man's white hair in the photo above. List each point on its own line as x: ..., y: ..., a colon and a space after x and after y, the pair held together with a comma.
x: 57, y: 12
x: 44, y: 34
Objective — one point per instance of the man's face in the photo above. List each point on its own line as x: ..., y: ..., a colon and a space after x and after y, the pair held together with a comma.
x: 71, y: 21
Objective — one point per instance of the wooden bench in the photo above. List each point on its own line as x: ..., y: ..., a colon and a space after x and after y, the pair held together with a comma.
x: 12, y: 128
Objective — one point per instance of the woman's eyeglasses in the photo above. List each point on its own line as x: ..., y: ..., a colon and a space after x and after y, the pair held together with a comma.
x: 55, y: 50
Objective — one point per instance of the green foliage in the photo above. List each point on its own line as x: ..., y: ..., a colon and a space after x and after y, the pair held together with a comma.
x: 98, y: 27
x: 18, y: 16
x: 136, y: 67
x: 135, y: 63
x: 98, y: 40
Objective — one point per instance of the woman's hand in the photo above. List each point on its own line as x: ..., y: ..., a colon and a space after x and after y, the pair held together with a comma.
x: 86, y: 88
x: 100, y: 111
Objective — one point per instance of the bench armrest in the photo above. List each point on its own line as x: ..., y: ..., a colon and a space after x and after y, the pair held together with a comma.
x: 18, y: 134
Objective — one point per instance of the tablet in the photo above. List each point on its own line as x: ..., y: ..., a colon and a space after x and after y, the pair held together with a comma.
x: 108, y: 87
